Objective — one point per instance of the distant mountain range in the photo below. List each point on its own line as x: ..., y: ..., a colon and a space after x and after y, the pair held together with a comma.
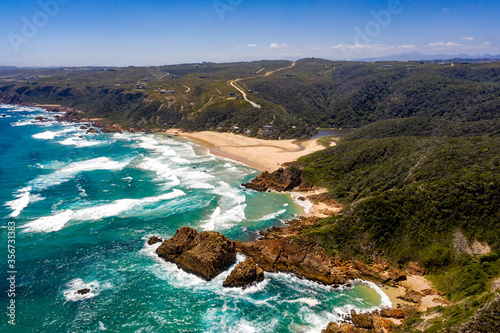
x: 426, y: 57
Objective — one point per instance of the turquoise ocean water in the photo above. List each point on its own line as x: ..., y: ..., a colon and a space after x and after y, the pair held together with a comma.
x: 84, y: 206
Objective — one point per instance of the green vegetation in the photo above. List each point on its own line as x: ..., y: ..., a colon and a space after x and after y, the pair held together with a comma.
x: 406, y: 195
x: 422, y: 99
x: 327, y: 141
x: 404, y: 198
x: 478, y: 313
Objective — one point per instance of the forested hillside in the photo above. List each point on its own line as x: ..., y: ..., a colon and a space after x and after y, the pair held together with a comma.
x: 290, y: 99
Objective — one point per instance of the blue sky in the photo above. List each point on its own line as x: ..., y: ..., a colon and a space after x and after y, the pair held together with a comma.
x: 124, y: 32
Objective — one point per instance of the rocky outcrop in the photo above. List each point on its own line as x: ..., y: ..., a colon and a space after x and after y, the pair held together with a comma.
x: 393, y: 313
x: 415, y: 269
x: 339, y: 328
x: 92, y: 130
x: 362, y: 320
x: 411, y: 296
x: 285, y: 255
x: 379, y: 273
x: 83, y: 291
x: 153, y: 240
x: 373, y: 322
x: 244, y: 274
x: 283, y: 179
x: 204, y: 254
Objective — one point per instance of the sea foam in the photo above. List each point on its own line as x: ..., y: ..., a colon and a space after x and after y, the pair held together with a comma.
x: 58, y: 221
x: 71, y: 293
x: 68, y: 172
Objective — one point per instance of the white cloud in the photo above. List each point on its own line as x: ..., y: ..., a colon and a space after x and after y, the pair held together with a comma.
x: 251, y: 45
x: 407, y: 47
x: 443, y: 44
x: 487, y: 43
x: 435, y: 44
x: 281, y: 46
x: 467, y: 38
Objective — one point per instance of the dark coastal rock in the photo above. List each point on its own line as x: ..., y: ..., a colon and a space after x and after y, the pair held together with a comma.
x: 393, y: 313
x: 83, y: 127
x: 83, y: 291
x: 153, y: 240
x: 338, y: 328
x: 40, y: 119
x: 244, y: 274
x: 397, y: 275
x: 204, y: 254
x: 283, y: 179
x: 362, y: 320
x: 415, y: 269
x: 92, y: 130
x: 112, y: 129
x: 285, y: 255
x: 411, y: 296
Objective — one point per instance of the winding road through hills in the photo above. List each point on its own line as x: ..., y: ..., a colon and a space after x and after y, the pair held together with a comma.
x: 233, y: 83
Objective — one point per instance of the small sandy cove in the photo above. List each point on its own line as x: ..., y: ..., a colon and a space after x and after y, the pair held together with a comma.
x: 264, y: 155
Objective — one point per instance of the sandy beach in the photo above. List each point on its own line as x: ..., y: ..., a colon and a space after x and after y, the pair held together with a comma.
x: 264, y: 155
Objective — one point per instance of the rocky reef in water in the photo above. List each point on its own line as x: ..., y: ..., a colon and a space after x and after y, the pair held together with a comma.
x: 244, y: 274
x: 205, y: 254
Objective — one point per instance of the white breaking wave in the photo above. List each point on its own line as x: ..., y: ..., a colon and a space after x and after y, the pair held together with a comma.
x: 229, y: 193
x: 272, y: 215
x: 56, y: 222
x: 80, y: 143
x: 305, y: 204
x: 385, y: 301
x: 71, y: 293
x: 306, y: 300
x: 22, y: 201
x: 162, y: 170
x: 220, y: 220
x: 71, y: 170
x: 201, y: 186
x: 50, y: 135
x: 24, y: 198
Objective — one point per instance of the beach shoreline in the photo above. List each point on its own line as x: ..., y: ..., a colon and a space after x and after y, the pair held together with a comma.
x: 263, y: 155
